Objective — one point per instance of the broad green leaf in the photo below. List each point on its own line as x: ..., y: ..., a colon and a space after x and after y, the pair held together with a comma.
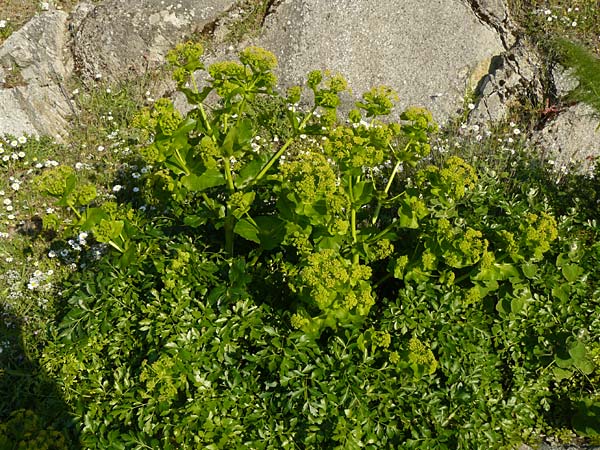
x: 561, y: 374
x: 577, y: 350
x: 563, y: 361
x: 529, y: 269
x: 517, y: 304
x: 247, y: 230
x: 363, y: 193
x: 562, y: 292
x: 586, y: 420
x: 91, y: 217
x: 572, y: 272
x: 503, y: 306
x: 407, y: 217
x: 238, y: 136
x: 271, y: 231
x: 585, y: 365
x: 194, y: 221
x: 199, y: 183
x: 250, y: 170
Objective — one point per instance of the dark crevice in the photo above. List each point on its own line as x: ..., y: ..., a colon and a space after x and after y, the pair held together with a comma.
x: 488, y: 20
x: 271, y: 7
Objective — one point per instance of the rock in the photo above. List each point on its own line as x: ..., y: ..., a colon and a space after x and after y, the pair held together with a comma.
x: 516, y: 74
x: 495, y: 13
x: 564, y: 80
x: 34, y: 62
x: 121, y: 38
x: 426, y: 50
x: 572, y: 137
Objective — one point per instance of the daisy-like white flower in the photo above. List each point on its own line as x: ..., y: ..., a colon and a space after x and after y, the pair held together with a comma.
x: 22, y: 140
x: 117, y: 188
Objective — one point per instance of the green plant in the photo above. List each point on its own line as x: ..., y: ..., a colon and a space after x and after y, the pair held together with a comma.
x: 586, y: 68
x: 303, y: 282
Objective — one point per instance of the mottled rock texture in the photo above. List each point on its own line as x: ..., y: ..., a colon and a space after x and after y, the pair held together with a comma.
x: 433, y: 52
x: 429, y: 51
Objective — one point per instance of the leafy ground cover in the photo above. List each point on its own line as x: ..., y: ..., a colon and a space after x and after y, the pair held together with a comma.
x: 256, y: 275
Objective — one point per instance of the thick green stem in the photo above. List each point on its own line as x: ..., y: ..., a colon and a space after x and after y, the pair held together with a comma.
x: 116, y: 246
x: 280, y: 152
x: 393, y: 174
x: 182, y: 162
x: 388, y: 186
x: 352, y: 217
x: 228, y: 175
x: 229, y: 219
x: 75, y: 211
x: 229, y: 235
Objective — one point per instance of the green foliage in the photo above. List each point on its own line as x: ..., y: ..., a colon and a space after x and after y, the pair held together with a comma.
x: 23, y: 431
x: 586, y: 68
x: 307, y: 282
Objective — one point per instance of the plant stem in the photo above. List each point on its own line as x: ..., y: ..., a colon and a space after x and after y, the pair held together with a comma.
x: 75, y: 211
x: 116, y: 246
x: 229, y: 219
x: 228, y: 176
x: 352, y: 217
x: 388, y: 185
x: 280, y: 152
x: 229, y: 234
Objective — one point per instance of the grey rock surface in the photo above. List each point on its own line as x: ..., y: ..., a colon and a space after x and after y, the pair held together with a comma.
x: 121, y: 38
x: 429, y: 51
x: 572, y: 137
x: 515, y: 74
x: 34, y: 62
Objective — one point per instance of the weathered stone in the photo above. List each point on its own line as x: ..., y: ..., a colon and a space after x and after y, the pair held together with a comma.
x: 121, y: 38
x: 514, y: 75
x: 34, y: 62
x: 496, y: 14
x: 572, y: 137
x: 426, y: 50
x: 564, y: 81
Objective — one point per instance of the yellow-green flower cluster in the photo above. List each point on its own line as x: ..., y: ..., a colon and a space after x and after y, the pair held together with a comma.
x: 381, y: 339
x: 333, y: 283
x: 85, y: 194
x: 209, y: 152
x: 162, y: 118
x: 379, y: 101
x: 23, y: 431
x: 452, y: 181
x: 258, y: 59
x: 54, y: 181
x: 185, y: 60
x: 382, y: 249
x: 421, y: 355
x: 312, y: 178
x: 358, y: 147
x: 465, y: 249
x: 539, y: 232
x: 227, y: 76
